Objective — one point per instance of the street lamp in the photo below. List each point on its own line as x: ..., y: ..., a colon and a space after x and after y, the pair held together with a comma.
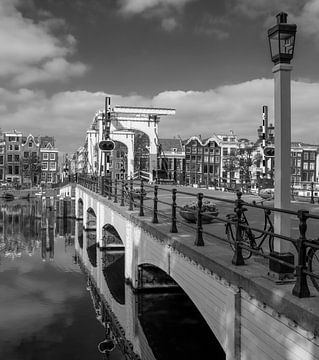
x: 282, y: 44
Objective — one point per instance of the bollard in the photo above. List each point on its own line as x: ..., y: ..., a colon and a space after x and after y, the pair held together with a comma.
x: 301, y: 287
x: 155, y: 218
x: 141, y: 213
x: 173, y: 227
x: 199, y: 231
x: 238, y: 255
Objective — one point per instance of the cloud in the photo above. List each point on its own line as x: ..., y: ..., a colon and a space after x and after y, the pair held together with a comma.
x: 304, y: 13
x: 166, y: 10
x: 129, y: 7
x: 217, y: 27
x: 169, y: 24
x: 67, y: 115
x: 30, y: 50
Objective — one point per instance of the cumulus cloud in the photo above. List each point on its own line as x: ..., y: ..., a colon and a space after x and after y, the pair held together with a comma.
x: 30, y: 51
x: 166, y: 10
x: 67, y: 115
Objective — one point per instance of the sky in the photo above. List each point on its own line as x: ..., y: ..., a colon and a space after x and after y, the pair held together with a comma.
x: 208, y: 59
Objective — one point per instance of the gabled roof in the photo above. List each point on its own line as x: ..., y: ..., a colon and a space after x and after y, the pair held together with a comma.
x: 170, y: 144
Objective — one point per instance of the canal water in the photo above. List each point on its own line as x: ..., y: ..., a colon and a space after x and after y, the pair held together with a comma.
x: 61, y: 297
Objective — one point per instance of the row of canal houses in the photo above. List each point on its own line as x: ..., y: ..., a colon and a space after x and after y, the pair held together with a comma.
x: 28, y: 160
x: 213, y: 161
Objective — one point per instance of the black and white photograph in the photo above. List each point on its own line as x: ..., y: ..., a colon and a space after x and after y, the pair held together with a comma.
x: 159, y: 180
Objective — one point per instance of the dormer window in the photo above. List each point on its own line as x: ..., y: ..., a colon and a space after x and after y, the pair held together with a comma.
x: 174, y: 150
x: 30, y: 143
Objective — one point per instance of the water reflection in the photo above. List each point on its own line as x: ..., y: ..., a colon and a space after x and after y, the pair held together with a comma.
x: 45, y: 310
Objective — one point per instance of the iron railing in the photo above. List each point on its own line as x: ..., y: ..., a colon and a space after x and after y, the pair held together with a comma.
x: 244, y: 236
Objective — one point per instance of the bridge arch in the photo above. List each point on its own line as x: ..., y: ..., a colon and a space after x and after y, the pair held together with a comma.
x: 90, y: 219
x: 178, y: 271
x: 155, y: 278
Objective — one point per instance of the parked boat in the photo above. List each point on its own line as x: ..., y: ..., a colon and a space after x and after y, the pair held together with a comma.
x: 8, y: 196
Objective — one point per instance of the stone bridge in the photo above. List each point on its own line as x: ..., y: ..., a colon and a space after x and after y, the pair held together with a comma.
x: 250, y: 315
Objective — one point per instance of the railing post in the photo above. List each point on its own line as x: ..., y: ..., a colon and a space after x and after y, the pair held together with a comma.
x: 238, y: 255
x: 141, y: 199
x: 155, y: 218
x: 199, y: 232
x: 110, y: 188
x: 312, y: 200
x: 115, y: 190
x: 301, y: 287
x: 174, y: 227
x: 131, y: 195
x: 122, y: 193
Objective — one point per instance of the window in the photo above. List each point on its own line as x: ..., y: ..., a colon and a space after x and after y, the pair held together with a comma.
x: 312, y: 156
x: 1, y: 159
x: 30, y: 144
x: 44, y: 166
x: 9, y: 158
x: 206, y: 158
x: 16, y: 147
x: 299, y: 162
x: 52, y: 156
x: 26, y: 154
x: 16, y: 157
x: 305, y: 166
x: 10, y: 147
x: 49, y: 177
x: 45, y: 156
x: 12, y: 138
x: 1, y: 149
x: 206, y: 150
x: 225, y: 151
x: 187, y: 149
x: 305, y: 156
x: 311, y: 166
x: 43, y: 176
x: 298, y: 154
x: 10, y: 170
x: 217, y: 159
x: 52, y: 166
x: 16, y: 170
x: 211, y: 158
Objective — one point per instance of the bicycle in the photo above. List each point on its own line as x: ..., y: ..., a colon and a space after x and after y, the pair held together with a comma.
x: 313, y: 265
x: 248, y: 238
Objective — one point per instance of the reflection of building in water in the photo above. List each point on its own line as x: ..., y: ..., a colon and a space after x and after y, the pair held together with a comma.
x: 47, y: 243
x: 19, y: 229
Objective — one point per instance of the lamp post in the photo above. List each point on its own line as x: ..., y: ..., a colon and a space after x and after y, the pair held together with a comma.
x: 282, y: 43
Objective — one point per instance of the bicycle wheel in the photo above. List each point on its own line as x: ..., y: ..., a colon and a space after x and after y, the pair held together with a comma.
x: 246, y: 240
x: 313, y: 266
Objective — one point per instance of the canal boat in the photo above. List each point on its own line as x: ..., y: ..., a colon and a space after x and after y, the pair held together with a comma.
x: 209, y: 212
x: 7, y: 196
